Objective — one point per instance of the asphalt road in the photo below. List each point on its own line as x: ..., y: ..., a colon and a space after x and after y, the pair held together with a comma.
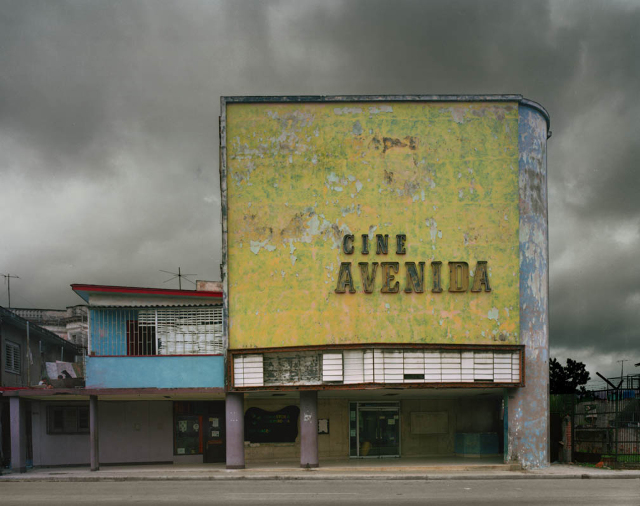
x: 308, y: 493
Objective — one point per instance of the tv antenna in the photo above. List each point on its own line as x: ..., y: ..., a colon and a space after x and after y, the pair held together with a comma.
x: 7, y: 280
x: 180, y: 276
x: 622, y: 366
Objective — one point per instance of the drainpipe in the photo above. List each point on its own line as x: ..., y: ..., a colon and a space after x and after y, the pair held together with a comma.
x: 88, y: 334
x: 156, y: 333
x: 28, y: 356
x: 1, y: 348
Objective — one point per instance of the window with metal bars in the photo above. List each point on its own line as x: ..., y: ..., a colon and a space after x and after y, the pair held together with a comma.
x: 141, y: 340
x: 157, y: 331
x: 12, y: 362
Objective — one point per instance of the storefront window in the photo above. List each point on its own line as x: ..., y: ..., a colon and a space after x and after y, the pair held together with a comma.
x: 262, y: 426
x: 188, y: 435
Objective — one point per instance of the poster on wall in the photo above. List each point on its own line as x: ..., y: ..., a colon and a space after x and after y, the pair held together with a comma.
x: 261, y: 426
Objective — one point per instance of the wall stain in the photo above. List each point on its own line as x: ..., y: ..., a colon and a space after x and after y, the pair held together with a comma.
x: 300, y: 176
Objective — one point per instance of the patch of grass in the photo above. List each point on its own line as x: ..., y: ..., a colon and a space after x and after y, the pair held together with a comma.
x: 623, y: 458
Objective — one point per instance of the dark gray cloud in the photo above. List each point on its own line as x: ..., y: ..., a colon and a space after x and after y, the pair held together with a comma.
x: 109, y: 137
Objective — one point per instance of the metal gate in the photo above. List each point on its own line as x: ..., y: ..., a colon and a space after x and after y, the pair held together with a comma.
x: 606, y: 428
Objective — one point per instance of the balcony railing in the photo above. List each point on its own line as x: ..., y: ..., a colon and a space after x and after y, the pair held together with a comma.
x: 156, y: 331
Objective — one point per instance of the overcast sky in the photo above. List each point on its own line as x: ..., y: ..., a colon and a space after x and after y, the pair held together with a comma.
x: 109, y: 131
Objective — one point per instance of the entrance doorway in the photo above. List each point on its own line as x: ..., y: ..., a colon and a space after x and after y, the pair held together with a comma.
x: 199, y: 429
x: 374, y: 429
x: 214, y: 447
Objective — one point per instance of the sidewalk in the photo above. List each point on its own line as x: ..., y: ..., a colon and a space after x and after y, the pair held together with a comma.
x: 332, y: 470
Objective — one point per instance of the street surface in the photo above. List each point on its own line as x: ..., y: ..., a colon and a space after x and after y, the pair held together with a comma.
x: 288, y: 492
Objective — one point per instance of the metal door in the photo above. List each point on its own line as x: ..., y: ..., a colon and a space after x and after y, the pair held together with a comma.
x: 378, y: 432
x: 215, y: 447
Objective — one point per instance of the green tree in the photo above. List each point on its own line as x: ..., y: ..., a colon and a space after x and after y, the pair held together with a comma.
x: 567, y: 379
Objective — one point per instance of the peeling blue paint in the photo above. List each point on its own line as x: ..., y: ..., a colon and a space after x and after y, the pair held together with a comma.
x: 196, y: 371
x: 528, y: 429
x: 109, y: 335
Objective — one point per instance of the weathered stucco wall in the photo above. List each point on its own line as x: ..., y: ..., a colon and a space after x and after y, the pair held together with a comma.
x: 15, y: 336
x: 528, y: 407
x: 194, y: 371
x: 135, y: 431
x: 31, y: 364
x: 300, y: 176
x: 336, y: 443
x: 56, y: 449
x: 464, y: 414
x: 414, y: 445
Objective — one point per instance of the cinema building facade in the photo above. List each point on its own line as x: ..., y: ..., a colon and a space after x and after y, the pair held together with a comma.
x: 386, y: 277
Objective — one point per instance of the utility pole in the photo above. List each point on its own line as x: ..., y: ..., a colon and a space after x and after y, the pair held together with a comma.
x: 7, y: 279
x: 622, y: 366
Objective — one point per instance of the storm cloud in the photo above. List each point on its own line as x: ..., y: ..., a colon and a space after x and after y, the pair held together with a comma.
x: 109, y: 130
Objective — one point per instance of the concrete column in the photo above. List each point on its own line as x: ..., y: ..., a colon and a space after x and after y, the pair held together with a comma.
x: 308, y: 428
x: 18, y: 435
x: 528, y: 415
x: 567, y: 440
x: 234, y: 412
x: 94, y: 446
x: 2, y: 429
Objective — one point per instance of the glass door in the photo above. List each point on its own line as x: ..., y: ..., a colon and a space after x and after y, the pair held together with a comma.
x: 378, y: 431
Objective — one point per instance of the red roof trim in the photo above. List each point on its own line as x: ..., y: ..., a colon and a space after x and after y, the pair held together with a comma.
x: 155, y: 356
x: 145, y: 291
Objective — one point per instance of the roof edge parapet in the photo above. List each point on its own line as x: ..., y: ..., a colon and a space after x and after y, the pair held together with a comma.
x: 76, y: 287
x: 389, y: 98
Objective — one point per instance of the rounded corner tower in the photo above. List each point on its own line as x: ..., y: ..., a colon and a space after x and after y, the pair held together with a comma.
x: 528, y: 407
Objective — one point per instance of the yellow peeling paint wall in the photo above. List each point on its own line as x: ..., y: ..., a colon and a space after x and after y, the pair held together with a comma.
x: 301, y: 175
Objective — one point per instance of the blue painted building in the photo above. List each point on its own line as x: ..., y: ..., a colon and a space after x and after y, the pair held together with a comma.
x: 154, y: 383
x: 151, y: 338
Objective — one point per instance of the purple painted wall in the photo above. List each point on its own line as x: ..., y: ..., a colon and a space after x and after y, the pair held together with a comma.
x: 234, y: 418
x: 94, y: 433
x: 58, y: 449
x: 308, y: 429
x: 18, y: 435
x: 131, y: 431
x: 188, y: 459
x: 136, y: 431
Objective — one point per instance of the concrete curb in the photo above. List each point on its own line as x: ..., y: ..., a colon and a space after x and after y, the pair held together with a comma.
x: 324, y: 477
